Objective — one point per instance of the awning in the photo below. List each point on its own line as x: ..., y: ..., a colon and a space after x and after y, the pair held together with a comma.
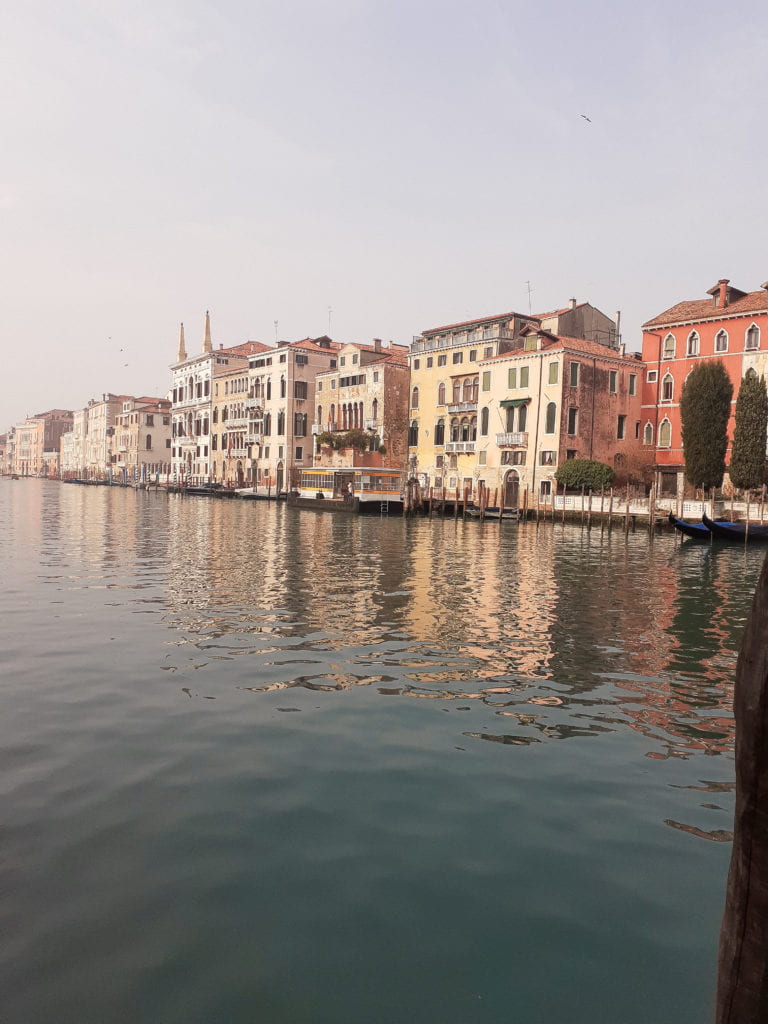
x: 509, y: 403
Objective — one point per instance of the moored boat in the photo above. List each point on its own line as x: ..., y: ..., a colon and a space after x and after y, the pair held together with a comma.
x: 696, y: 530
x: 736, y: 531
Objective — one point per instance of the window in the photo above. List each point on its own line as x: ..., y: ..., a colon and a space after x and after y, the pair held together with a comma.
x: 301, y: 360
x: 554, y: 373
x: 473, y: 355
x: 652, y: 376
x: 168, y: 442
x: 573, y: 422
x: 484, y: 422
x: 522, y: 416
x: 570, y: 453
x: 721, y: 341
x: 150, y: 420
x: 300, y: 389
x: 486, y: 380
x: 481, y: 458
x: 549, y: 425
x: 282, y: 387
x: 415, y: 398
x: 375, y: 376
x: 637, y: 430
x: 441, y: 393
x: 440, y: 432
x: 633, y: 384
x: 354, y: 360
x: 148, y: 444
x: 512, y: 377
x: 319, y: 385
x: 300, y: 424
x: 667, y: 387
x: 621, y: 427
x: 458, y: 357
x: 299, y: 453
x: 613, y: 377
x: 282, y: 357
x: 343, y: 361
x: 752, y: 338
x: 665, y: 434
x: 442, y: 360
x: 668, y: 349
x: 575, y: 374
x: 413, y: 434
x: 692, y: 345
x: 546, y: 458
x: 430, y: 362
x: 523, y: 376
x: 417, y: 364
x: 488, y: 352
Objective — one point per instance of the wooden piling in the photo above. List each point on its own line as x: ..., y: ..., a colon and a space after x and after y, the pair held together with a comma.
x: 456, y: 505
x: 589, y: 511
x: 431, y: 498
x: 582, y: 504
x: 610, y: 510
x: 626, y: 512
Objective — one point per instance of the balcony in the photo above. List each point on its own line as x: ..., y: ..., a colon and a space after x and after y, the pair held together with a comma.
x: 462, y: 407
x: 460, y: 447
x: 371, y: 424
x: 476, y: 336
x: 317, y: 428
x: 517, y: 440
x: 236, y: 453
x: 255, y: 438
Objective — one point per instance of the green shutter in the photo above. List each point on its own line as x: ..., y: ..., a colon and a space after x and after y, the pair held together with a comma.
x: 553, y: 368
x: 512, y: 377
x: 486, y: 380
x: 523, y: 376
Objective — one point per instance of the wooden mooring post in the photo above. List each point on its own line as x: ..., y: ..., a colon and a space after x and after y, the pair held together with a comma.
x: 582, y: 504
x: 626, y: 512
x: 610, y: 510
x: 742, y: 982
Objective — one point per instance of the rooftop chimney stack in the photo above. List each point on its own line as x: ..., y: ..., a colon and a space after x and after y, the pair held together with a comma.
x: 572, y: 304
x: 207, y: 345
x: 722, y: 298
x: 377, y: 344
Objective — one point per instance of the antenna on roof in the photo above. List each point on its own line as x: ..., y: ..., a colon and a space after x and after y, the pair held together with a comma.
x: 528, y: 283
x: 329, y: 321
x: 276, y: 332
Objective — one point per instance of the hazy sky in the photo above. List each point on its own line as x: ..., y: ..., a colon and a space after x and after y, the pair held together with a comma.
x: 406, y: 163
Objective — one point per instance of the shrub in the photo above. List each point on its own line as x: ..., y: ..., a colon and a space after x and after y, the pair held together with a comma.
x: 587, y: 473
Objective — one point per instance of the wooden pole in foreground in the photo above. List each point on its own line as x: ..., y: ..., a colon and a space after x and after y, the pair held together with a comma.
x: 610, y: 510
x: 742, y: 983
x: 626, y: 513
x: 582, y: 504
x: 456, y: 505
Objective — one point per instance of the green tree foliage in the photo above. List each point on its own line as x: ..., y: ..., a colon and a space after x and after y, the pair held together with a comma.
x: 586, y: 473
x: 345, y: 439
x: 748, y: 454
x: 705, y: 406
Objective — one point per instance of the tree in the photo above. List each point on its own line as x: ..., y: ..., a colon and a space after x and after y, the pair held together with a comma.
x: 747, y: 467
x: 586, y: 473
x: 705, y: 406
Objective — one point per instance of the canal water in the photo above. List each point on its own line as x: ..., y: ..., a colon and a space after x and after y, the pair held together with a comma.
x: 268, y: 765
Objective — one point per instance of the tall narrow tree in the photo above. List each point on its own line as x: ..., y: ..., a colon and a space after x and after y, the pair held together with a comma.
x: 748, y: 454
x: 705, y: 406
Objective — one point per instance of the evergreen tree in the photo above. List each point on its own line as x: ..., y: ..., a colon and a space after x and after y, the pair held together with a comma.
x: 749, y: 435
x: 705, y: 406
x: 586, y: 473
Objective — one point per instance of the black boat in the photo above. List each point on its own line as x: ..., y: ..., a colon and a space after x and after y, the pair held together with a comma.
x: 696, y: 530
x: 736, y: 531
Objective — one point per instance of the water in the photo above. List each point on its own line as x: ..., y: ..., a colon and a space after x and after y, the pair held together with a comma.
x: 261, y: 764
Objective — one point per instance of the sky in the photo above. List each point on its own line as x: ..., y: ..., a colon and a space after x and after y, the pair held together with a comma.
x: 401, y: 164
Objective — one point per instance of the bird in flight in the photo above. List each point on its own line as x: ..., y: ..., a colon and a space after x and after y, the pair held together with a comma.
x: 586, y: 118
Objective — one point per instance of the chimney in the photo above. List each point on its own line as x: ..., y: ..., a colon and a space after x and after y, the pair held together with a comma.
x: 572, y: 304
x: 722, y: 295
x: 207, y: 346
x: 377, y: 344
x: 221, y: 345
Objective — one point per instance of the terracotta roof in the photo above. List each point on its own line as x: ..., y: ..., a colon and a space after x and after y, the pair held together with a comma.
x: 559, y: 312
x: 393, y: 358
x: 312, y: 345
x: 479, y: 320
x: 553, y: 342
x: 704, y: 309
x: 248, y: 348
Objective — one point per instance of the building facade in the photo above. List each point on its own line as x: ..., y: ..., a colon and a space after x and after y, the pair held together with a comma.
x: 229, y: 426
x: 368, y: 391
x: 143, y: 440
x: 281, y: 403
x: 730, y: 326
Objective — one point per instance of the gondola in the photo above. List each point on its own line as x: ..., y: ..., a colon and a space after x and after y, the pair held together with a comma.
x: 736, y: 531
x: 696, y: 530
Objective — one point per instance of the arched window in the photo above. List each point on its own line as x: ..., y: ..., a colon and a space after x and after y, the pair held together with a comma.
x: 522, y: 417
x: 454, y: 429
x: 148, y: 443
x: 464, y: 435
x: 375, y: 410
x: 332, y: 417
x: 281, y: 422
x: 667, y: 387
x: 549, y: 424
x: 269, y: 389
x: 752, y: 337
x: 467, y: 390
x: 224, y: 414
x: 415, y: 398
x: 668, y: 351
x: 441, y: 393
x: 665, y: 434
x: 648, y: 434
x: 751, y: 373
x: 320, y: 415
x: 721, y: 341
x: 484, y: 422
x: 282, y: 389
x: 440, y: 431
x: 267, y: 424
x: 475, y: 388
x: 692, y: 345
x: 456, y: 392
x: 473, y: 429
x: 215, y: 414
x: 413, y: 434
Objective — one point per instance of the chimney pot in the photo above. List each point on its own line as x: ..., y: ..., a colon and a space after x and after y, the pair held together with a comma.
x: 377, y: 344
x: 722, y: 298
x: 572, y: 303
